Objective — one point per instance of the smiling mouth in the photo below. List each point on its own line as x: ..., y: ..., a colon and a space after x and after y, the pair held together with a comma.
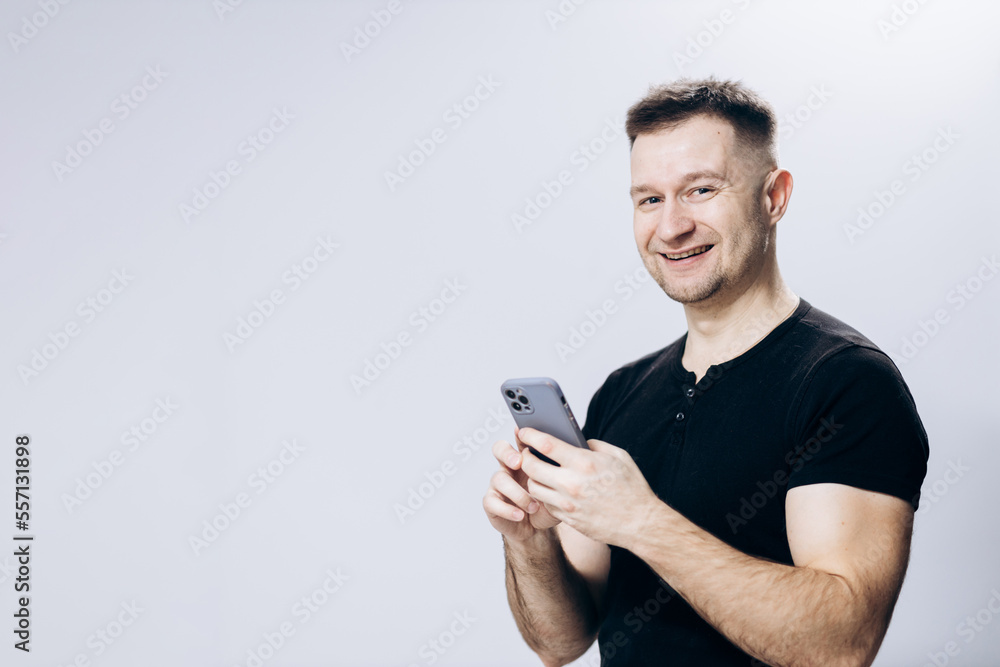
x: 690, y: 253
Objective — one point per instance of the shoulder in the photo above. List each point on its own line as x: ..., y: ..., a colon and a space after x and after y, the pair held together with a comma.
x: 624, y: 380
x: 821, y: 350
x: 853, y: 419
x: 634, y: 372
x: 822, y: 335
x: 831, y: 350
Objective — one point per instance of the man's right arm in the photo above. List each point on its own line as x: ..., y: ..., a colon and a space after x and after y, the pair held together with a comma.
x: 555, y: 576
x: 551, y: 601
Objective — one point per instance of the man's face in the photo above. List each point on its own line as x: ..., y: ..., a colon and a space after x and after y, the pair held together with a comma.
x: 692, y: 192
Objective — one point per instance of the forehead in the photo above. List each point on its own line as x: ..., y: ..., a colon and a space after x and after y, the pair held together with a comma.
x: 701, y: 143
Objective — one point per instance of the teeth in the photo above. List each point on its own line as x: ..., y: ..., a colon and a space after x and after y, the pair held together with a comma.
x: 696, y: 251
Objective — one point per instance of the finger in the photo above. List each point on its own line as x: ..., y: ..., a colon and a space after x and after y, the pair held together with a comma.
x: 558, y: 450
x: 517, y: 437
x: 606, y: 447
x: 508, y: 488
x: 553, y: 501
x: 495, y: 505
x: 539, y: 470
x: 508, y: 457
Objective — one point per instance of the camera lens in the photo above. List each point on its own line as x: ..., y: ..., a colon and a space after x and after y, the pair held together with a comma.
x: 510, y: 394
x: 515, y: 405
x: 523, y: 399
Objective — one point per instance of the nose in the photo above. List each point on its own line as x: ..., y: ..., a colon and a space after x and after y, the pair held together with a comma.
x: 674, y: 222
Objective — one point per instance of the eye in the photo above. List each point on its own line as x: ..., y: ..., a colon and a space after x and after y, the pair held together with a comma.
x: 700, y: 190
x: 649, y: 200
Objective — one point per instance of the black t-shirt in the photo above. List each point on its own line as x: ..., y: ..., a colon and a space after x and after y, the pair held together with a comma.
x: 814, y: 401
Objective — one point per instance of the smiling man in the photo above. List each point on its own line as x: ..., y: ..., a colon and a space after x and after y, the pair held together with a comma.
x: 749, y: 491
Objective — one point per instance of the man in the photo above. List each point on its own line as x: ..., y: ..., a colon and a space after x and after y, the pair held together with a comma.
x: 749, y: 491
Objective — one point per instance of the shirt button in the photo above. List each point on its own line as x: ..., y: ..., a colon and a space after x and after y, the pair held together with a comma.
x: 689, y: 392
x: 679, y: 417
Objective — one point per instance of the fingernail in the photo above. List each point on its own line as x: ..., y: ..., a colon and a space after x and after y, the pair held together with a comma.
x: 518, y: 515
x: 532, y: 507
x: 513, y: 459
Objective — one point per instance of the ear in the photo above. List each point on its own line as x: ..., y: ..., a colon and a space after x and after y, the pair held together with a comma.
x: 777, y: 190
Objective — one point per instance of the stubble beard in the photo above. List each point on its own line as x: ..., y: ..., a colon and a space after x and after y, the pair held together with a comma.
x: 750, y: 245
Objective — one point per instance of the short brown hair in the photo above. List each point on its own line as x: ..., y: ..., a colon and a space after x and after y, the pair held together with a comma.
x: 668, y: 105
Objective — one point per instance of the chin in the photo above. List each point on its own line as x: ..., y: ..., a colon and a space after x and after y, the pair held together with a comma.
x: 699, y: 292
x: 688, y: 297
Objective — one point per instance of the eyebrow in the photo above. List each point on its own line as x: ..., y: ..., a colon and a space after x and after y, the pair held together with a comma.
x: 686, y: 178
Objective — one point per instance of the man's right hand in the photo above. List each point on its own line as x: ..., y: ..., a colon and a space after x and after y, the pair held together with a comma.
x: 514, y: 513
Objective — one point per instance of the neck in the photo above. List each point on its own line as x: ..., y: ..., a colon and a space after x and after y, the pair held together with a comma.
x: 727, y: 325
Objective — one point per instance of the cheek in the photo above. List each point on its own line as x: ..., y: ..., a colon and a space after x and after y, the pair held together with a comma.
x: 641, y: 228
x: 726, y: 213
x: 731, y: 223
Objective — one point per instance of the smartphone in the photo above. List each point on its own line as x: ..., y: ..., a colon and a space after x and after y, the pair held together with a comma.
x: 539, y: 403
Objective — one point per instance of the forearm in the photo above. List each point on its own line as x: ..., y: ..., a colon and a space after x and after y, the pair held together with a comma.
x: 550, y: 601
x: 780, y: 614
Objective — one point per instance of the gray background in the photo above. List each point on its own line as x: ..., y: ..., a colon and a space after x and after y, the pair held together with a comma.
x: 558, y: 84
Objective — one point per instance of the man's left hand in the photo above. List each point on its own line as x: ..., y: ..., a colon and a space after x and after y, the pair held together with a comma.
x: 600, y: 492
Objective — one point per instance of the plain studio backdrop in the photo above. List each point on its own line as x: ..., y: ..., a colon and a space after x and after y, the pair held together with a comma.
x: 264, y: 266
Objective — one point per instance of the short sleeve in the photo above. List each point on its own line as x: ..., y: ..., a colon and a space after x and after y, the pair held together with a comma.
x: 856, y: 424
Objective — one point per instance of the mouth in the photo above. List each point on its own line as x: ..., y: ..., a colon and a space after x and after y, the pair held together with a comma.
x: 687, y: 254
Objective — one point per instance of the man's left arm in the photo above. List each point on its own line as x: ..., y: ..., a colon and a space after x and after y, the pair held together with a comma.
x: 850, y: 548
